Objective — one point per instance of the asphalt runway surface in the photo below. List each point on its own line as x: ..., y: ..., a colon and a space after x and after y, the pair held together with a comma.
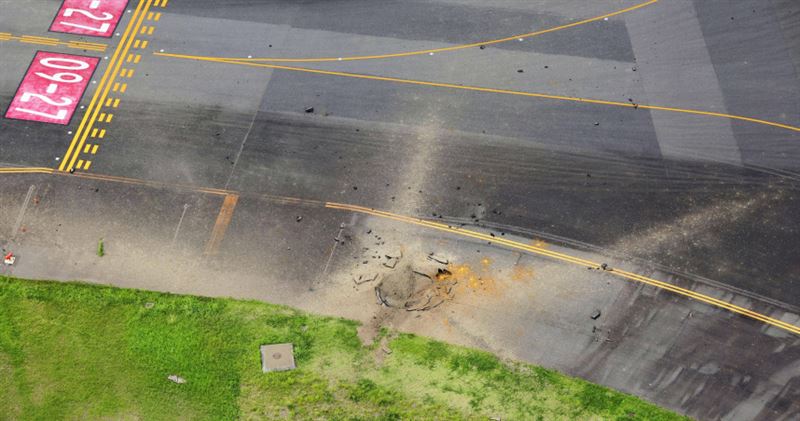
x: 664, y: 135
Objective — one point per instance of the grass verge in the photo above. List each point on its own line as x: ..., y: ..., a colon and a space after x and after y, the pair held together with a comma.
x: 77, y: 351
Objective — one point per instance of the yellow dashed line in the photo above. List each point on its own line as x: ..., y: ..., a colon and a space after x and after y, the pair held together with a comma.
x: 136, y: 59
x: 102, y: 133
x: 116, y: 103
x: 86, y: 148
x: 116, y: 87
x: 164, y: 3
x: 123, y: 88
x: 144, y: 44
x: 94, y: 149
x: 144, y: 30
x: 80, y: 164
x: 150, y: 30
x: 94, y: 132
x: 102, y: 117
x: 158, y: 16
x: 108, y: 102
x: 137, y: 42
x: 150, y: 15
x: 109, y: 117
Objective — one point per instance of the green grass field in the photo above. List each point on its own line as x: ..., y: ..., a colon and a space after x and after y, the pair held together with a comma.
x: 76, y: 351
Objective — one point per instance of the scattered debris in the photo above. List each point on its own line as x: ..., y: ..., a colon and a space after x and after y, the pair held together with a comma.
x: 309, y: 109
x: 595, y: 315
x: 298, y: 218
x: 364, y: 279
x: 482, y: 47
x: 176, y: 379
x: 9, y: 259
x: 149, y: 304
x: 391, y: 263
x: 520, y: 71
x: 596, y: 123
x: 438, y: 259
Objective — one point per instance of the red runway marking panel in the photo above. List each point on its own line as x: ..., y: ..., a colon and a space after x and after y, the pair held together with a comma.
x: 96, y: 18
x: 52, y: 87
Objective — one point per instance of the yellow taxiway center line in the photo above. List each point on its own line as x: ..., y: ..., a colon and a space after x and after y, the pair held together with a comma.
x: 574, y: 260
x: 444, y: 49
x: 489, y: 90
x: 113, y: 69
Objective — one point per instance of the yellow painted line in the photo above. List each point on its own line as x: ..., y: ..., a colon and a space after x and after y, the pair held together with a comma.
x: 150, y: 14
x: 102, y: 134
x: 86, y: 149
x: 136, y: 58
x: 143, y: 31
x: 574, y: 260
x: 102, y: 117
x: 109, y: 117
x: 221, y: 225
x: 52, y: 42
x: 37, y: 42
x: 144, y: 44
x: 116, y: 87
x: 150, y: 30
x: 26, y: 170
x: 452, y: 48
x: 80, y: 164
x: 164, y: 3
x: 158, y: 17
x: 94, y: 149
x: 108, y: 102
x: 137, y: 42
x: 116, y: 103
x: 129, y: 59
x: 105, y: 85
x: 94, y: 132
x: 87, y: 165
x: 494, y: 91
x: 45, y: 39
x: 157, y: 3
x: 123, y: 88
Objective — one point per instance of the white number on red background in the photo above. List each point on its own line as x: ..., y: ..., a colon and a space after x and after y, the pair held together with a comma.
x: 52, y: 88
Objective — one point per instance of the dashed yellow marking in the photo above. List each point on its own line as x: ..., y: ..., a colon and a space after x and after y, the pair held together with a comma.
x: 102, y: 134
x: 116, y: 87
x: 150, y: 30
x: 94, y: 149
x: 158, y: 16
x: 137, y: 42
x: 108, y: 102
x: 144, y: 30
x: 109, y: 117
x: 144, y: 45
x: 150, y: 14
x: 164, y: 3
x: 123, y: 88
x: 101, y: 93
x: 94, y: 132
x: 136, y: 59
x: 102, y: 117
x: 116, y: 103
x: 86, y: 149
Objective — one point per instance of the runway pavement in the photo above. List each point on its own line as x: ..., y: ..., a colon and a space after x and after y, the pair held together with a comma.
x: 661, y: 135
